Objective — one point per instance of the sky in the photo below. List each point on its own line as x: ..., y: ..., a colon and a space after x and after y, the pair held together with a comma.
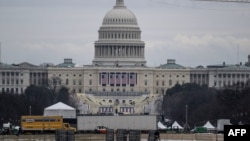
x: 191, y: 32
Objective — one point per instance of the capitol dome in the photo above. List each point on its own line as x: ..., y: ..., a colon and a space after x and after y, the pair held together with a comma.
x: 120, y: 15
x: 119, y: 42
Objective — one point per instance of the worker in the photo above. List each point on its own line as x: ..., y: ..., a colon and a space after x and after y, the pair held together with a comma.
x: 157, y: 135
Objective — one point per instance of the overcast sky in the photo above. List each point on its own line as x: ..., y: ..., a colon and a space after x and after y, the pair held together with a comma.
x: 192, y: 32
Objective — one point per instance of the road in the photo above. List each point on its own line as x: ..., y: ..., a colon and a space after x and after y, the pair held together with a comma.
x: 102, y: 137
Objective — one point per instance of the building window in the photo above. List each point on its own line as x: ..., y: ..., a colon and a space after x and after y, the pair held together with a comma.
x: 170, y: 82
x: 157, y: 83
x: 90, y: 82
x: 146, y: 83
x: 74, y: 82
x: 67, y: 81
x: 163, y: 83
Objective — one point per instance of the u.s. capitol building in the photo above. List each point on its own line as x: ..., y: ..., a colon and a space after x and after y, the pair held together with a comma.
x: 119, y: 79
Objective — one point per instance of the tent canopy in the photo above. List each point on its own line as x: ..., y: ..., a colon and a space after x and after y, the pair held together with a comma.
x: 59, y: 106
x: 60, y: 109
x: 209, y: 126
x: 176, y: 125
x: 161, y: 126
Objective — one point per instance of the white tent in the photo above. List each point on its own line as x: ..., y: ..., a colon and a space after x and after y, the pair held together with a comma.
x: 161, y: 126
x: 176, y: 125
x: 209, y: 126
x: 60, y: 109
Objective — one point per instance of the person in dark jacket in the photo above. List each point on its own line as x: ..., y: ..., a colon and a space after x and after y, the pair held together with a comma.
x: 157, y: 135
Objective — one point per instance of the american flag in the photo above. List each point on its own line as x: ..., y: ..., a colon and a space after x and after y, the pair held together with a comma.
x: 112, y: 78
x: 124, y: 78
x: 104, y: 78
x: 132, y: 79
x: 118, y: 78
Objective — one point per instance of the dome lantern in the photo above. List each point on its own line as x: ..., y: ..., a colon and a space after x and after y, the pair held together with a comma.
x: 119, y: 3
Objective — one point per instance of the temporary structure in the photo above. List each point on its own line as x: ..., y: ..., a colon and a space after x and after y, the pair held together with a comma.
x: 161, y: 126
x: 60, y: 109
x: 176, y: 125
x: 209, y: 126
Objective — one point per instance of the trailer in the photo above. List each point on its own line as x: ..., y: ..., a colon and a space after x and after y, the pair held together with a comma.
x: 128, y: 122
x: 221, y: 123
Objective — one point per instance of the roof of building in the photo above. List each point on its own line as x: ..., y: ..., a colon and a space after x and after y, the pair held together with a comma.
x: 229, y: 66
x: 171, y: 65
x: 4, y: 65
x: 66, y: 64
x: 59, y: 106
x: 21, y: 65
x: 120, y: 15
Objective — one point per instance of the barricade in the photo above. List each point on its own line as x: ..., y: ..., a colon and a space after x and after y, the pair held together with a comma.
x: 64, y: 135
x: 110, y: 135
x: 121, y: 135
x: 60, y: 135
x: 151, y: 135
x: 134, y: 135
x: 70, y: 135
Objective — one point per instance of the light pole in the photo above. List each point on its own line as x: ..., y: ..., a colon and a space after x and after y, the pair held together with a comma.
x: 186, y: 126
x: 30, y: 110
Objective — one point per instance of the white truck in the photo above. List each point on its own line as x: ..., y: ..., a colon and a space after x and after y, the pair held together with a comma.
x: 221, y: 123
x: 128, y: 122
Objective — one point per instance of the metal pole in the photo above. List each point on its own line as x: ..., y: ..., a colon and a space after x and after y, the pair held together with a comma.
x: 30, y: 110
x: 186, y: 114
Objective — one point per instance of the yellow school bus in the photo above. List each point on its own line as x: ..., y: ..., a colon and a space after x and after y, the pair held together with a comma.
x: 43, y: 124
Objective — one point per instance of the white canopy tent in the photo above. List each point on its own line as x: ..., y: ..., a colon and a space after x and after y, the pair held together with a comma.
x: 161, y: 126
x: 209, y: 126
x: 176, y: 125
x: 60, y: 109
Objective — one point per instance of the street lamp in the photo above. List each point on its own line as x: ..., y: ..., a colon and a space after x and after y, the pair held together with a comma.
x: 186, y: 126
x: 30, y: 110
